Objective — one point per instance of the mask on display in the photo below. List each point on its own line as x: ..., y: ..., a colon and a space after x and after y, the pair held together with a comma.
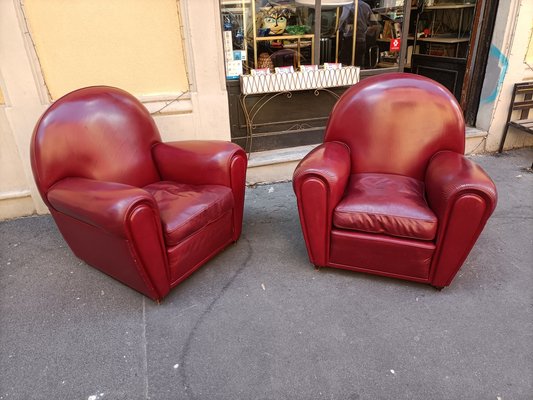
x: 275, y: 19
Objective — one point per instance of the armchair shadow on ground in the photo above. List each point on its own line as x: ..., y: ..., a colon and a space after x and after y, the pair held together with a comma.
x: 145, y: 212
x: 389, y: 192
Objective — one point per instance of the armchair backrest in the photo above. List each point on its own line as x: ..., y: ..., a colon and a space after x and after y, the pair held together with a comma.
x: 100, y: 133
x: 394, y: 123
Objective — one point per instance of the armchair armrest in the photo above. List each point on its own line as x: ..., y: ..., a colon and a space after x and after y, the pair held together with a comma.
x: 319, y: 182
x: 463, y: 197
x: 105, y: 205
x: 206, y: 162
x: 129, y: 244
x: 451, y: 175
x: 199, y: 162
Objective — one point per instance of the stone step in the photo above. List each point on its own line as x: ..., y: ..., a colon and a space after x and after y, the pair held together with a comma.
x: 274, y: 165
x: 475, y: 140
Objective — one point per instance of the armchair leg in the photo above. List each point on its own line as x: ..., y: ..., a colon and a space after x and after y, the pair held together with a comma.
x: 439, y: 288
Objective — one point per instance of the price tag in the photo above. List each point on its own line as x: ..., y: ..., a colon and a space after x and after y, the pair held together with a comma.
x: 395, y: 45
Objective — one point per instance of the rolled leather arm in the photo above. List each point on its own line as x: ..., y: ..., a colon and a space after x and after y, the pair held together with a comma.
x: 105, y: 205
x: 319, y: 182
x: 450, y: 175
x: 206, y: 162
x: 463, y: 197
x: 200, y: 162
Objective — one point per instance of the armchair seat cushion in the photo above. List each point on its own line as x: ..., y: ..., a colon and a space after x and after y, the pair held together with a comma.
x: 387, y: 204
x: 185, y: 209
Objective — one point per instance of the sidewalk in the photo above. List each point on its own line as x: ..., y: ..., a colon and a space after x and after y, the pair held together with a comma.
x: 259, y: 322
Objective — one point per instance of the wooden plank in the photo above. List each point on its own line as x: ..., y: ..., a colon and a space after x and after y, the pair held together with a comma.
x: 525, y: 122
x: 449, y: 6
x: 524, y: 90
x: 520, y: 105
x: 521, y: 127
x: 445, y: 40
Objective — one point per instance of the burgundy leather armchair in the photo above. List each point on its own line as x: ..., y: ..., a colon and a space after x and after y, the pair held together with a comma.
x: 389, y: 192
x: 146, y: 213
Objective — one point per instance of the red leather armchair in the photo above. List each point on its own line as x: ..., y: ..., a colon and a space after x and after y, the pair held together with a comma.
x: 146, y: 213
x: 389, y: 192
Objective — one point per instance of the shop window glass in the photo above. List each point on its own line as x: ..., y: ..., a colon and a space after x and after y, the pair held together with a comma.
x: 263, y: 36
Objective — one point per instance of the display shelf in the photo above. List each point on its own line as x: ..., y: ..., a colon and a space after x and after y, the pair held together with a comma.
x: 392, y: 21
x: 449, y: 7
x: 284, y: 37
x: 444, y: 40
x: 385, y: 64
x: 441, y: 42
x: 326, y: 4
x: 446, y: 24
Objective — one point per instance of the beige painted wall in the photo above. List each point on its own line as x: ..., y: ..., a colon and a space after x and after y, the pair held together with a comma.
x: 17, y: 117
x: 529, y: 55
x: 132, y: 44
x: 15, y: 198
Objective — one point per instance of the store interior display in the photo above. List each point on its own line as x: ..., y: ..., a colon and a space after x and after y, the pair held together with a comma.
x: 443, y: 29
x: 262, y: 34
x: 440, y: 43
x: 270, y: 34
x: 270, y: 37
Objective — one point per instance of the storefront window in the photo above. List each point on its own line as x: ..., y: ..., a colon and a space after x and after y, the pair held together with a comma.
x: 262, y: 36
x: 288, y: 61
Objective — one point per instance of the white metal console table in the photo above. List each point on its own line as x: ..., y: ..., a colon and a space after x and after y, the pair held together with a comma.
x: 268, y: 87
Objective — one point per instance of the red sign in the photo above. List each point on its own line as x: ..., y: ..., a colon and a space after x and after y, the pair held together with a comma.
x: 394, y: 45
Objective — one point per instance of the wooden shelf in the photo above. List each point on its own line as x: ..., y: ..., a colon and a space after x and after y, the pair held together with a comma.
x: 449, y: 40
x: 227, y: 2
x: 449, y: 6
x: 284, y: 37
x: 386, y: 10
x: 385, y: 64
x: 462, y: 20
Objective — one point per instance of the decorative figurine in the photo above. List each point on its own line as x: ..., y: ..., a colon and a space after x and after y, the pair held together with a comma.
x: 275, y: 17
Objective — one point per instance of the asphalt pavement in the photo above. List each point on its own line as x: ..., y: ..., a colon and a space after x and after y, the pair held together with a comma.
x: 259, y: 322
